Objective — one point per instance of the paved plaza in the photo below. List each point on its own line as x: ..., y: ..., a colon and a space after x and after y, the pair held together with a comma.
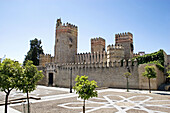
x: 59, y: 100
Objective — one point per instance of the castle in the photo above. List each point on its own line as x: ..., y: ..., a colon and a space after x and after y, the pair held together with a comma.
x: 105, y: 67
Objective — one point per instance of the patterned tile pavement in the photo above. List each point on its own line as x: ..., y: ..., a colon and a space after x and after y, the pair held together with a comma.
x: 59, y: 100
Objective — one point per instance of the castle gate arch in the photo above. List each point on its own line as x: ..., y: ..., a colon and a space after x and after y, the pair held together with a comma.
x: 50, y: 79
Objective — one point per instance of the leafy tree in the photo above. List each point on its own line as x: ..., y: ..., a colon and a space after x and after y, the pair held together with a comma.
x: 149, y: 73
x: 10, y: 71
x: 127, y: 74
x: 29, y: 79
x: 85, y: 88
x: 168, y: 71
x: 34, y: 52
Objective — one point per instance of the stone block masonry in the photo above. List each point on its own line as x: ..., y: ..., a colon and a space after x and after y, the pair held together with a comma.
x: 104, y: 73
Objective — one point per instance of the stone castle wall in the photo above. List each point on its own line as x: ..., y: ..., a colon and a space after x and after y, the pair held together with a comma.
x: 104, y: 73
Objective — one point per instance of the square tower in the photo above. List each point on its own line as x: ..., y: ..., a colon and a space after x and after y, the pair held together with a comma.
x: 97, y: 44
x: 65, y: 42
x: 125, y: 40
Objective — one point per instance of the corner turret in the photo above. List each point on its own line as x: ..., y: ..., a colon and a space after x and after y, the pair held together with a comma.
x: 115, y: 53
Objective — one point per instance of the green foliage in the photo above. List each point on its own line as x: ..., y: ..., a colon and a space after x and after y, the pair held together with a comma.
x: 34, y: 52
x: 158, y: 65
x: 127, y: 74
x: 85, y: 88
x: 29, y: 78
x: 168, y: 72
x: 10, y: 71
x: 149, y: 72
x: 153, y: 58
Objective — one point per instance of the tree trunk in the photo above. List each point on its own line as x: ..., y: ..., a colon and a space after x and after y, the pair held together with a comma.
x: 127, y: 85
x: 149, y: 86
x: 28, y: 102
x: 84, y: 107
x: 6, y: 101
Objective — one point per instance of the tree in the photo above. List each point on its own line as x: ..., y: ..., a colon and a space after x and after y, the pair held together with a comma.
x: 127, y: 74
x: 34, y: 52
x: 85, y: 88
x: 149, y: 73
x: 10, y: 71
x: 168, y: 72
x: 29, y: 79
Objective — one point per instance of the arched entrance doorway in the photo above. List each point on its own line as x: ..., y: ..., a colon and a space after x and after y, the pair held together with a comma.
x: 50, y: 79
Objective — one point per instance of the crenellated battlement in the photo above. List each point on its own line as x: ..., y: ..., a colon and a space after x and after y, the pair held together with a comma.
x: 123, y: 34
x: 105, y: 64
x: 91, y: 57
x: 45, y: 55
x: 115, y: 47
x: 67, y: 25
x: 123, y: 37
x: 97, y: 39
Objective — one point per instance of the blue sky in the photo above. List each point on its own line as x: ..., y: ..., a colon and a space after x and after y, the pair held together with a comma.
x: 24, y: 20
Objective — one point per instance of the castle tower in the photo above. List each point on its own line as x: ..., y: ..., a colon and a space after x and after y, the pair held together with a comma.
x: 115, y: 53
x: 65, y: 42
x: 125, y: 40
x: 97, y: 45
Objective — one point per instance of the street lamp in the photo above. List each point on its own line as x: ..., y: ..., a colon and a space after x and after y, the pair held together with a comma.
x: 71, y: 80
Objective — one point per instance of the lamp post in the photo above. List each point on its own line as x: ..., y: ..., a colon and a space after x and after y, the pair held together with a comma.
x: 71, y: 80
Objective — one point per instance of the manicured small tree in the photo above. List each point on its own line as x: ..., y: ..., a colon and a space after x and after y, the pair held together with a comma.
x: 85, y: 88
x: 29, y: 79
x: 10, y: 71
x: 149, y: 73
x: 127, y: 74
